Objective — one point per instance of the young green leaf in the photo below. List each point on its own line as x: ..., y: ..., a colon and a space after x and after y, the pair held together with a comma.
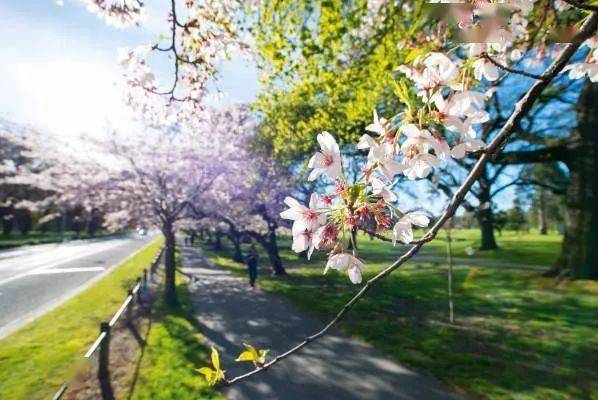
x: 215, y: 374
x: 257, y: 357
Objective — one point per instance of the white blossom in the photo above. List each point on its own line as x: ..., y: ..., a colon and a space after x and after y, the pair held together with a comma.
x: 346, y: 262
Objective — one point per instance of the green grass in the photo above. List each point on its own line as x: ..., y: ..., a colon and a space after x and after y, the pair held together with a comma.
x: 517, y: 335
x: 38, y: 237
x: 514, y: 247
x: 38, y: 358
x: 173, y: 353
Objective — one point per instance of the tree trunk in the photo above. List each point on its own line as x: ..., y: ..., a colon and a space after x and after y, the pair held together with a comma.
x: 236, y: 241
x: 273, y: 255
x: 542, y: 210
x: 485, y: 216
x: 169, y: 265
x: 218, y: 241
x: 579, y: 255
x: 487, y: 230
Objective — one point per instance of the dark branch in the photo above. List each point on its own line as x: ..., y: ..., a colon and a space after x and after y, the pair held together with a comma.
x: 512, y: 70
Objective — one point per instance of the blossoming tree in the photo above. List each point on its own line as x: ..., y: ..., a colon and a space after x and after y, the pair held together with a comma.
x: 146, y: 179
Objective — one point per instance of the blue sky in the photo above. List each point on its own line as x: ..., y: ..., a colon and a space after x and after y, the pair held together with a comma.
x: 59, y: 66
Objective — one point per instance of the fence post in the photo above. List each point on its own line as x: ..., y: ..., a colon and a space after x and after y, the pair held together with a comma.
x: 139, y: 290
x: 145, y: 278
x: 104, y: 356
x: 130, y: 306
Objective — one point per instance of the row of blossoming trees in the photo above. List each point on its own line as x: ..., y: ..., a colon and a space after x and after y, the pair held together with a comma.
x: 168, y: 179
x: 190, y: 164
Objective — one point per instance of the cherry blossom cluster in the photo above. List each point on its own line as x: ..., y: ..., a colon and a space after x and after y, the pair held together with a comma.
x: 203, y: 34
x: 331, y: 220
x: 118, y: 13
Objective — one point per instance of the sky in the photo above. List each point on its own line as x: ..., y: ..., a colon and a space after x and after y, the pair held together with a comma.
x: 58, y: 66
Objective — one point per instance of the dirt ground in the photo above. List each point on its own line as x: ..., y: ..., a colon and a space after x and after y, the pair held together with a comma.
x: 127, y: 344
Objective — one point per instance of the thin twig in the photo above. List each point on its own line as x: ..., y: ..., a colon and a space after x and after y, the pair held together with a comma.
x: 521, y: 108
x: 512, y: 70
x: 376, y: 235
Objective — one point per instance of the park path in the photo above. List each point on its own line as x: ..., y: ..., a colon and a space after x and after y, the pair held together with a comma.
x: 334, y: 368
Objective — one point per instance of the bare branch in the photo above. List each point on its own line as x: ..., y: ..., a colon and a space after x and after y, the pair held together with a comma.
x: 512, y: 70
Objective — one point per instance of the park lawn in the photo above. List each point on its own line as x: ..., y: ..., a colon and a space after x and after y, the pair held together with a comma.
x: 173, y: 353
x: 516, y: 335
x: 38, y: 358
x: 514, y: 247
x: 525, y: 248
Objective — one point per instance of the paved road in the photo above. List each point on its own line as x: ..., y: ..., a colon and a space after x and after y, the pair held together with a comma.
x: 334, y: 367
x: 35, y: 279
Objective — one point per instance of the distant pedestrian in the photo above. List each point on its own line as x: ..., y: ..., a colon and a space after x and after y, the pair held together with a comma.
x: 252, y: 259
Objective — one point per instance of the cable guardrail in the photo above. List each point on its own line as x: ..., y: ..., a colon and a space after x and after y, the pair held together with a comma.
x: 102, y: 342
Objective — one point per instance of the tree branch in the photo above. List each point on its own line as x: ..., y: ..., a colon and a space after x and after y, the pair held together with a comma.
x: 580, y: 5
x: 512, y: 70
x: 521, y: 108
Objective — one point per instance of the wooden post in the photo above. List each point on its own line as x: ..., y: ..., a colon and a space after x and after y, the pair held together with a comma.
x: 104, y: 356
x: 145, y: 278
x: 139, y: 290
x: 130, y: 306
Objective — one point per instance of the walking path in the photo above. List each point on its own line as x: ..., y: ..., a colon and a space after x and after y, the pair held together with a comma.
x: 334, y: 368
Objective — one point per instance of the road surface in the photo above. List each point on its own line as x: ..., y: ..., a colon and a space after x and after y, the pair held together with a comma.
x: 35, y: 279
x: 334, y: 367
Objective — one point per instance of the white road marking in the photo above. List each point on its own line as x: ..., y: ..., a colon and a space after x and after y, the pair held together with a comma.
x: 65, y: 270
x: 63, y: 258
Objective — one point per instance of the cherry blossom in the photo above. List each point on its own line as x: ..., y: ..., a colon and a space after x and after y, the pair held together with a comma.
x: 346, y: 262
x: 403, y: 229
x: 328, y: 160
x: 381, y: 189
x: 305, y: 218
x: 379, y: 125
x: 483, y: 68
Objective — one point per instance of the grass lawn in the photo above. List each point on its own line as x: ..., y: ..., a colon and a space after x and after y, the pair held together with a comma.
x: 173, y: 353
x: 38, y: 237
x: 514, y: 247
x: 38, y: 358
x: 516, y: 336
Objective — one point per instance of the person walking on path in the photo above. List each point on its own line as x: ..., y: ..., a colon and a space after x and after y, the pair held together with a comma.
x: 252, y: 259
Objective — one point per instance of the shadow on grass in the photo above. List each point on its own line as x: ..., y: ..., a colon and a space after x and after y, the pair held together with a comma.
x: 515, y: 335
x: 173, y: 353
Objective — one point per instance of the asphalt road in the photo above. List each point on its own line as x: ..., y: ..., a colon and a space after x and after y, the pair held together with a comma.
x: 35, y: 279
